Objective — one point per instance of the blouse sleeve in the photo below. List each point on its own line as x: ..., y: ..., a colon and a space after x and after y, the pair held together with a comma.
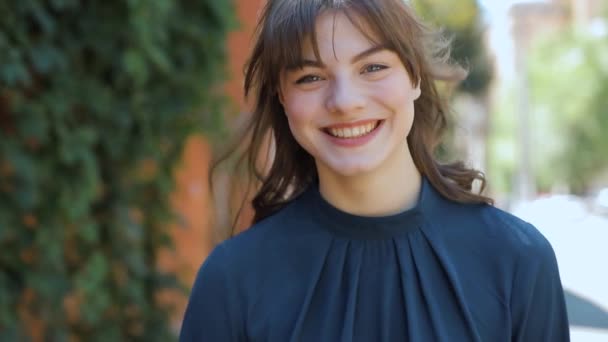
x: 212, y: 313
x: 538, y: 305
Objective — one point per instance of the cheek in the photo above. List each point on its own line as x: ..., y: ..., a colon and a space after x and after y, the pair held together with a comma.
x: 300, y: 107
x: 298, y: 115
x: 397, y: 88
x: 397, y: 96
x: 387, y: 94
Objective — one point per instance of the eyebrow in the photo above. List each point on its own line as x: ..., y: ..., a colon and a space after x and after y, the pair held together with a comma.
x: 318, y: 64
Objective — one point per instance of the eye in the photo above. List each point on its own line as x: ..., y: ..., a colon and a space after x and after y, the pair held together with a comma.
x: 374, y: 68
x: 308, y: 79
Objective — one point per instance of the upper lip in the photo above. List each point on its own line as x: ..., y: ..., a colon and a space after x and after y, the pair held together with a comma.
x: 351, y: 124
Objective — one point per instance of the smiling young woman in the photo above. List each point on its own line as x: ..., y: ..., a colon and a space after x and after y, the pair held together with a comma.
x: 359, y: 233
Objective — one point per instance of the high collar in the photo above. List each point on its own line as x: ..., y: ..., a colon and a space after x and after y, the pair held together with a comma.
x: 371, y: 227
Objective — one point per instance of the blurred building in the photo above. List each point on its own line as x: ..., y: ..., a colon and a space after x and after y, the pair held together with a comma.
x: 583, y: 11
x: 536, y: 18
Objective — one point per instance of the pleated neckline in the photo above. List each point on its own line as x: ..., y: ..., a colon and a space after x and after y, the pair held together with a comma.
x: 354, y: 226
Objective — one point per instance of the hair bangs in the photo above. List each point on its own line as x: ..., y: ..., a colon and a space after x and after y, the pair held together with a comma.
x: 357, y: 14
x: 292, y: 25
x: 289, y: 27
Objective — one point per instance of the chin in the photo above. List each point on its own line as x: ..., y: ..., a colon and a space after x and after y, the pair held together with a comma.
x: 354, y: 169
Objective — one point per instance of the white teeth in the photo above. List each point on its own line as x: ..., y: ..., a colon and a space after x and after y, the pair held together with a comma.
x: 353, y: 132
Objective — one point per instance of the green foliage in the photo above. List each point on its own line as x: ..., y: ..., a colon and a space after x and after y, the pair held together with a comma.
x: 463, y: 24
x: 569, y: 87
x: 96, y: 101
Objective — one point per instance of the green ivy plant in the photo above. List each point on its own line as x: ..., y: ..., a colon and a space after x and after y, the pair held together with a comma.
x: 96, y: 101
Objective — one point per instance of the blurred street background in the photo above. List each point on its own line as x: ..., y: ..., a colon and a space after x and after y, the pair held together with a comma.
x: 550, y: 95
x: 110, y: 113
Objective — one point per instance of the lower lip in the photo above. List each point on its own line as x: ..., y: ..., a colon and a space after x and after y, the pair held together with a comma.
x: 355, y: 142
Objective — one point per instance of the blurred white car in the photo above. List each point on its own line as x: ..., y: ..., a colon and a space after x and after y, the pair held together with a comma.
x: 552, y: 210
x: 600, y: 204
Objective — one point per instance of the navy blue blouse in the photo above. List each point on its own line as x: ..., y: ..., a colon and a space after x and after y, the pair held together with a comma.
x: 441, y: 271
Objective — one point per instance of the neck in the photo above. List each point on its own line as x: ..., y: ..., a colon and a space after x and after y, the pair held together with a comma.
x: 385, y: 191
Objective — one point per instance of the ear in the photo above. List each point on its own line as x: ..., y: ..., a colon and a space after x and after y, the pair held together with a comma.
x: 279, y: 90
x: 416, y: 90
x: 280, y: 96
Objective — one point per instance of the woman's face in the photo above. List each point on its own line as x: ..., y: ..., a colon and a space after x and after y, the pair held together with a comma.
x: 353, y: 109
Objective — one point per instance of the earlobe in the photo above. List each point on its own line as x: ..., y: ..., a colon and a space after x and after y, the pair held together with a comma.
x: 417, y: 91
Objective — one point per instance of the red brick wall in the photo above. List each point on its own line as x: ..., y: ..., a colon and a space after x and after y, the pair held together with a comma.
x: 194, y: 241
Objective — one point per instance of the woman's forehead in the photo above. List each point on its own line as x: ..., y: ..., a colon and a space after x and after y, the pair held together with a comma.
x: 336, y: 32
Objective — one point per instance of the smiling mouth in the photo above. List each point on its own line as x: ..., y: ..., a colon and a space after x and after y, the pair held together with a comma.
x: 353, y: 132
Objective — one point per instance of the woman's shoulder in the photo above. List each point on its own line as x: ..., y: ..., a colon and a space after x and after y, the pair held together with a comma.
x: 239, y: 254
x: 287, y: 232
x: 276, y: 228
x: 494, y: 227
x: 513, y: 230
x: 492, y: 242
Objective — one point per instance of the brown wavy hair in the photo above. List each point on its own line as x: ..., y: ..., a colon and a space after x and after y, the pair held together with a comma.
x: 283, y: 27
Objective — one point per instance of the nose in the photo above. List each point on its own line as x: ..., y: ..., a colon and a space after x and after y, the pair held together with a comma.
x: 344, y: 97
